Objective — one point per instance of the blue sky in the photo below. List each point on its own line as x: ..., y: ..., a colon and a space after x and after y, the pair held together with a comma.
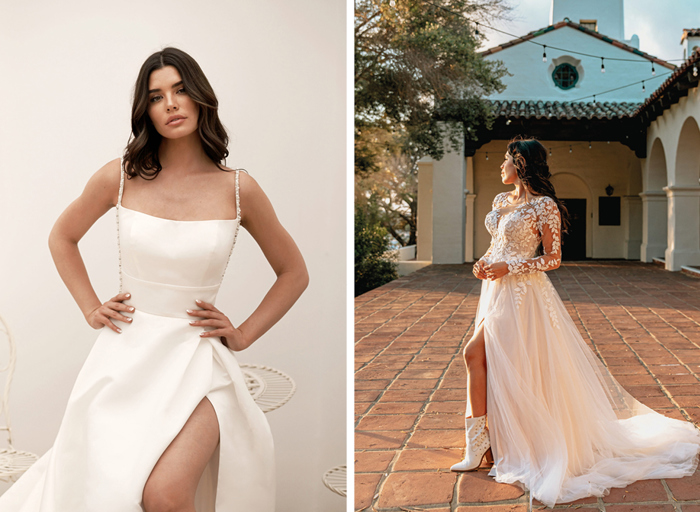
x: 659, y: 24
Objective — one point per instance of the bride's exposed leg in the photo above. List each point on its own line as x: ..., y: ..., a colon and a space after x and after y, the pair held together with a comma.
x: 173, y: 482
x: 475, y: 359
x: 477, y: 439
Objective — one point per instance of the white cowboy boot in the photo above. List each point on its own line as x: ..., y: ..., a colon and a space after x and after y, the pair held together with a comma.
x: 478, y: 444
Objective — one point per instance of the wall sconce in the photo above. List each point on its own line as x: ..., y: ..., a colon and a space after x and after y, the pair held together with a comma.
x: 609, y: 190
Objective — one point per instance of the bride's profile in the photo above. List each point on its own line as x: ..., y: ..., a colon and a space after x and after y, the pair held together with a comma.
x: 539, y: 401
x: 160, y: 417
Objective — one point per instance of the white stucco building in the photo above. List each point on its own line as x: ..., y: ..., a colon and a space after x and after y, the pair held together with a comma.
x: 624, y: 144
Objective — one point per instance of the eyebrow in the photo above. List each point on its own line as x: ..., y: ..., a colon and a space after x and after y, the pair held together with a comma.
x: 172, y: 87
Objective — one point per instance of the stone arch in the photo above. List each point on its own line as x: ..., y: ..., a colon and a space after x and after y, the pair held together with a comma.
x: 657, y: 173
x: 687, y: 169
x: 654, y: 205
x: 569, y: 185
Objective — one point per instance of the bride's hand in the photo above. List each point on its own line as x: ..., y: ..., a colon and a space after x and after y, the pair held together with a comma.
x: 496, y: 270
x: 478, y: 270
x: 230, y: 336
x: 100, y: 316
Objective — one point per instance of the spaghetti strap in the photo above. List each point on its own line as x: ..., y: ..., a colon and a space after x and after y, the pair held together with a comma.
x: 238, y: 197
x: 121, y: 182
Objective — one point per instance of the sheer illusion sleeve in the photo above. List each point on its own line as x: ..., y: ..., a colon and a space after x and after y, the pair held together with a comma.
x: 549, y: 226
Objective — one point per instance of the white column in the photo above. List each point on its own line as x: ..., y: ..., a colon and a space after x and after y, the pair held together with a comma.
x: 654, y: 225
x: 632, y: 221
x: 448, y: 207
x: 424, y: 233
x: 683, y: 227
x: 469, y: 197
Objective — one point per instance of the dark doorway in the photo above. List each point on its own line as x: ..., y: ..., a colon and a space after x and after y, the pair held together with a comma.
x: 574, y: 242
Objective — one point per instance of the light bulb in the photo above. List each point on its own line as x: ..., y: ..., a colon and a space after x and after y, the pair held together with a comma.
x: 602, y: 65
x: 544, y: 53
x: 653, y: 71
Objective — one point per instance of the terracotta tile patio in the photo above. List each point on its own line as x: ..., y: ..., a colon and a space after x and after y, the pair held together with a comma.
x: 642, y: 321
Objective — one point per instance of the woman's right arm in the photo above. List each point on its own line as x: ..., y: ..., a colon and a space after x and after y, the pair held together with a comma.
x: 99, y: 196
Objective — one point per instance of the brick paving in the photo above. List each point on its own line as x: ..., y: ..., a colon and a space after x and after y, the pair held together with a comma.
x: 642, y: 321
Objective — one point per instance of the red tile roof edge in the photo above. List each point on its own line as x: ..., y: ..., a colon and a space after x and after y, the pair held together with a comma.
x: 560, y: 24
x: 694, y: 59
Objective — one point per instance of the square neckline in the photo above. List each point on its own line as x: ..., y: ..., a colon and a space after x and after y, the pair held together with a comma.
x: 119, y: 204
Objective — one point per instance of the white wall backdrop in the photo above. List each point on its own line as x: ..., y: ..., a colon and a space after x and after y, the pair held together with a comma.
x: 278, y: 68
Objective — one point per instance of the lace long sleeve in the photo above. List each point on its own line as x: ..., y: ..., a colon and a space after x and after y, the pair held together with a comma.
x: 549, y: 226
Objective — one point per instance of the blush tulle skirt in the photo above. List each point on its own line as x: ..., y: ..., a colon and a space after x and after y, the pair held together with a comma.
x: 560, y: 424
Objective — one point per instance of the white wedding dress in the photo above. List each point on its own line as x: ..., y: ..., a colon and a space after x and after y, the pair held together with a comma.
x: 560, y: 424
x: 137, y: 389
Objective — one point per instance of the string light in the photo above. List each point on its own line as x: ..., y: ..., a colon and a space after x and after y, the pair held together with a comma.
x: 602, y: 65
x: 594, y: 98
x: 522, y: 38
x: 476, y: 30
x: 589, y: 144
x: 643, y: 87
x: 544, y: 53
x: 653, y: 71
x: 570, y: 150
x: 487, y: 155
x: 550, y: 151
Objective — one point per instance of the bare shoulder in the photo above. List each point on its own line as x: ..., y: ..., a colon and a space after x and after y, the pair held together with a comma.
x: 104, y: 184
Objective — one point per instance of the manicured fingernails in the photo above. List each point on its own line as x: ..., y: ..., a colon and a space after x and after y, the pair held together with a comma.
x: 119, y: 330
x: 190, y: 311
x: 198, y: 301
x: 128, y: 295
x: 129, y: 319
x: 202, y: 333
x: 132, y: 309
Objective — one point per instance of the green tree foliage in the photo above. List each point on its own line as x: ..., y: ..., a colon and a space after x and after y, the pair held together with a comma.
x: 372, y: 269
x: 391, y: 192
x: 415, y: 66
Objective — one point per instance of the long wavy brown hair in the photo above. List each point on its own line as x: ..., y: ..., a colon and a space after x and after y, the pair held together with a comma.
x: 141, y: 153
x: 530, y: 160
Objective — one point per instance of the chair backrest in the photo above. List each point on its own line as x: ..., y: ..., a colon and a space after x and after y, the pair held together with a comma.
x: 10, y: 369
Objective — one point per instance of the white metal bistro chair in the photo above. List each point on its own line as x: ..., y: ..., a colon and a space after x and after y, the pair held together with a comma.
x: 12, y: 462
x: 270, y: 388
x: 336, y: 480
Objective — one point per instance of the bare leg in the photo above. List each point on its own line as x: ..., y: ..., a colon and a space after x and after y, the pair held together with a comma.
x: 172, y: 485
x: 475, y: 359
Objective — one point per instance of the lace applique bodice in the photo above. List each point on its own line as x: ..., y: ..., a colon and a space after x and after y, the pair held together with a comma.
x: 516, y: 232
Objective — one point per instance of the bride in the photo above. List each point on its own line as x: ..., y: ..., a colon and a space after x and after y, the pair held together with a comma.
x: 160, y: 417
x: 558, y: 423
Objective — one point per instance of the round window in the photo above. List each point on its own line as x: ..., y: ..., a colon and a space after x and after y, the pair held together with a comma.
x: 565, y: 76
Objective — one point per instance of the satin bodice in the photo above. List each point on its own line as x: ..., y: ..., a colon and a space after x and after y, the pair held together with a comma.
x: 167, y: 264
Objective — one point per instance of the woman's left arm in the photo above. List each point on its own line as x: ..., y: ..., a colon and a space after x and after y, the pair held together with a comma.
x: 549, y: 226
x: 260, y: 220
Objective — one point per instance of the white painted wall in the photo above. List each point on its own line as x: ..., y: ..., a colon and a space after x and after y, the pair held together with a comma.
x: 278, y: 69
x: 583, y: 173
x: 532, y: 79
x: 673, y: 139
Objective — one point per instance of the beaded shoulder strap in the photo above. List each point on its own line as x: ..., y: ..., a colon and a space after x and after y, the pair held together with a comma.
x: 119, y: 203
x: 238, y: 220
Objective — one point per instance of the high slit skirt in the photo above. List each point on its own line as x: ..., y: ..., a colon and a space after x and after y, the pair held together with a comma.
x: 132, y: 397
x: 560, y: 424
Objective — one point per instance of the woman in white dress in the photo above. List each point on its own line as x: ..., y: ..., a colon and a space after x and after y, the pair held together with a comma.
x: 558, y: 424
x: 160, y: 417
